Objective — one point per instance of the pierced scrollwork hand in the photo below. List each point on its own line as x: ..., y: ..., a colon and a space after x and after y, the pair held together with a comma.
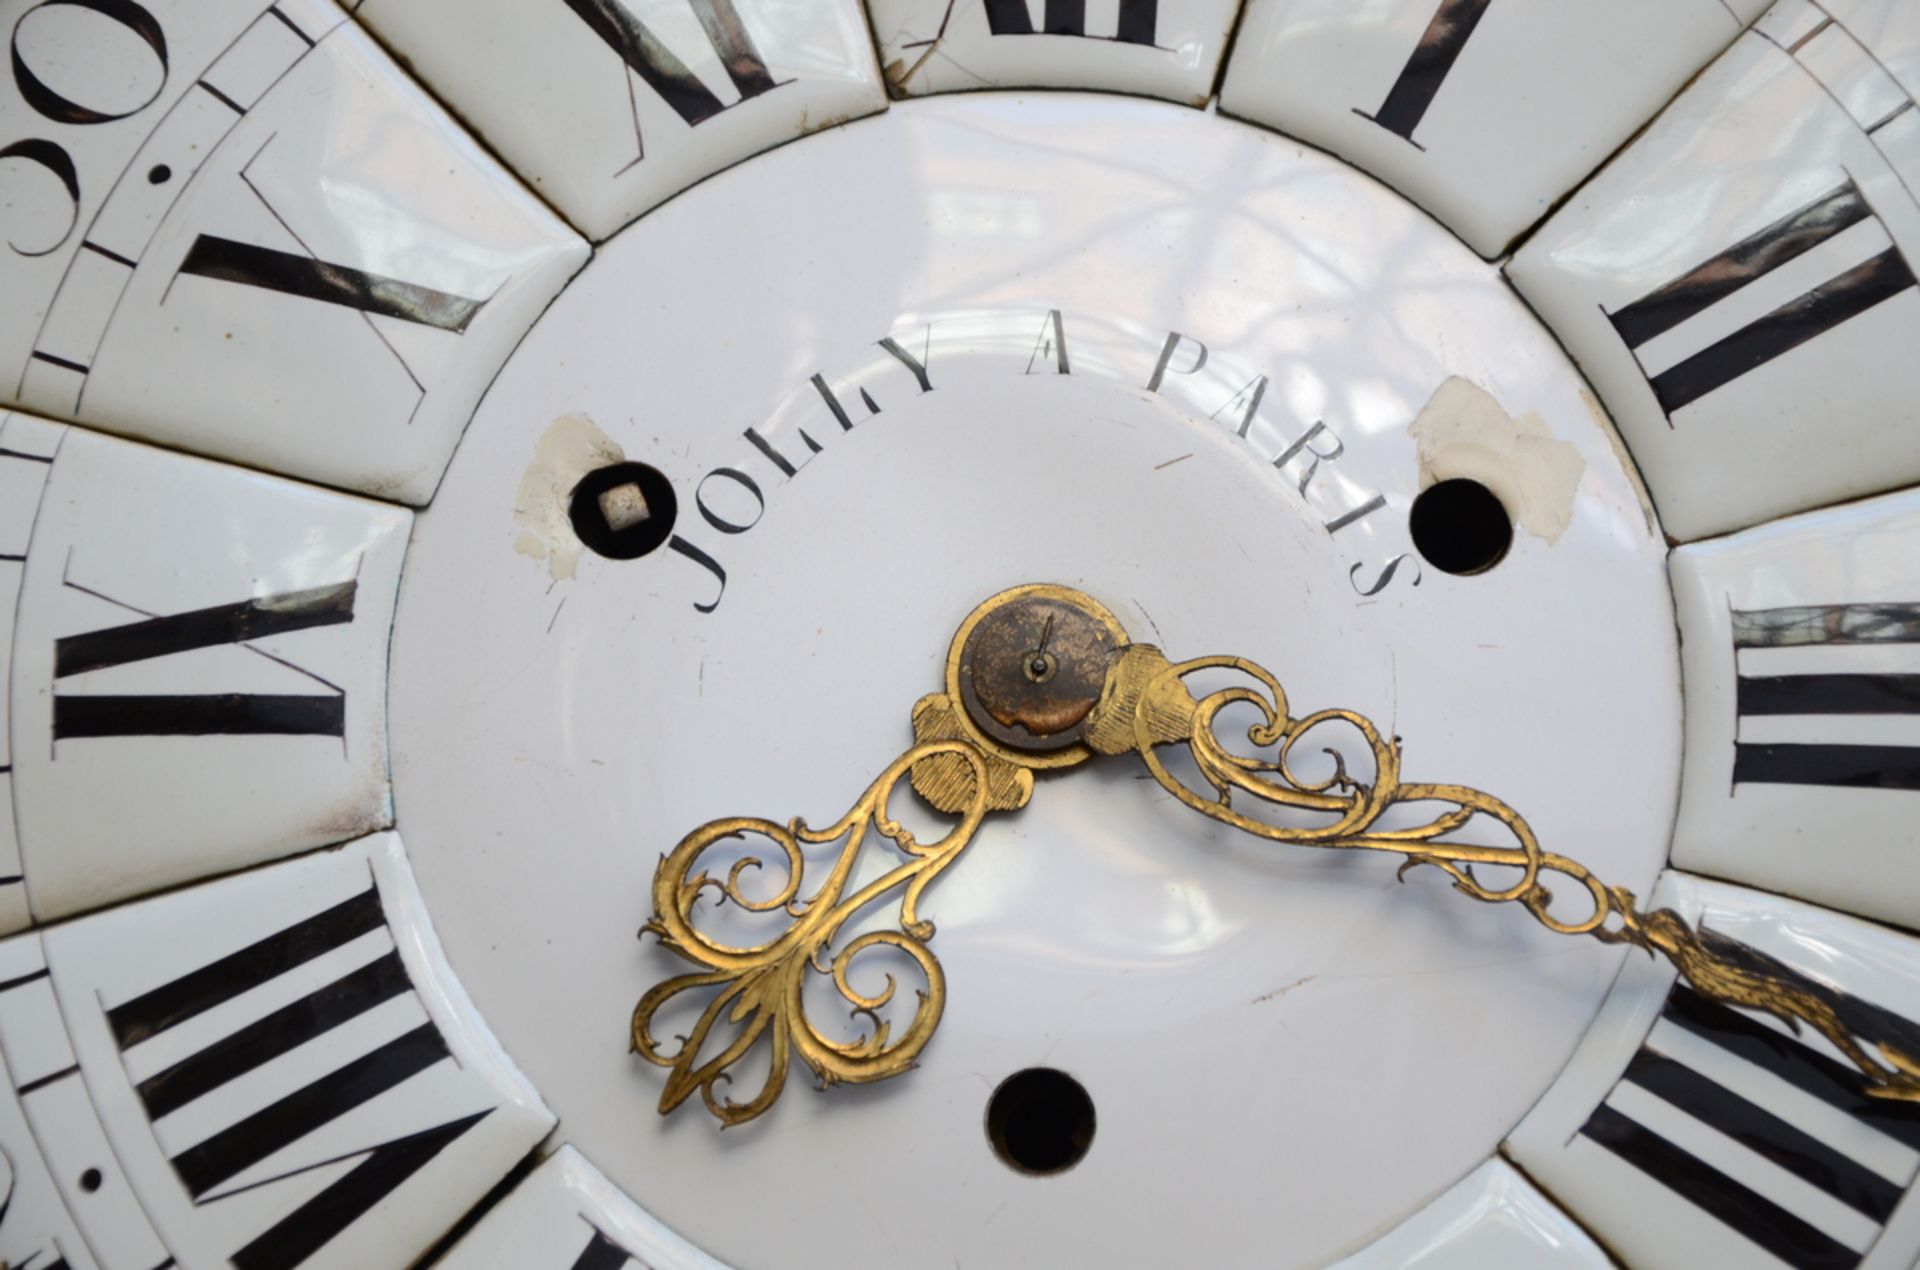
x: 759, y: 990
x: 1148, y: 707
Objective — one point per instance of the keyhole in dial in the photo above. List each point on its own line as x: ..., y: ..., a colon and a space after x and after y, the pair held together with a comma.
x: 623, y: 511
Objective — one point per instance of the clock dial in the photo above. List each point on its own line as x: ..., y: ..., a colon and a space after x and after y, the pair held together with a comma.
x: 1157, y: 48
x: 609, y: 109
x: 245, y: 263
x: 1448, y: 100
x: 199, y: 666
x: 1785, y: 292
x: 1213, y: 418
x: 719, y: 503
x: 1694, y: 1135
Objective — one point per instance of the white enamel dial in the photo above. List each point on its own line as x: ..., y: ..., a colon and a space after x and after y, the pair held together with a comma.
x: 448, y: 452
x: 1026, y: 429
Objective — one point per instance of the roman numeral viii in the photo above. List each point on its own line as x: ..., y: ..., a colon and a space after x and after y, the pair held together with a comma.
x: 370, y: 1051
x: 231, y: 714
x: 1827, y: 763
x: 1690, y: 369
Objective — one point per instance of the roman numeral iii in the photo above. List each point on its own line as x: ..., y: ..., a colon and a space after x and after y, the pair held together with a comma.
x: 1841, y: 626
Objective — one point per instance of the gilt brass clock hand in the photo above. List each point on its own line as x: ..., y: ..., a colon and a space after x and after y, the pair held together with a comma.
x: 1033, y: 686
x: 1042, y: 678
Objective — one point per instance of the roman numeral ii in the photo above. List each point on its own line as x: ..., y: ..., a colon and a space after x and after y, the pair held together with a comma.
x: 1879, y: 275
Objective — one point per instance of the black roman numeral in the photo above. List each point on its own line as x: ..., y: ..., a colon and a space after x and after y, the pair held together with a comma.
x: 225, y: 260
x: 1841, y: 298
x: 306, y: 1230
x: 1694, y: 1090
x: 1138, y: 19
x: 204, y: 1167
x: 227, y: 714
x: 601, y: 1253
x: 1840, y: 625
x: 1419, y: 83
x: 643, y: 53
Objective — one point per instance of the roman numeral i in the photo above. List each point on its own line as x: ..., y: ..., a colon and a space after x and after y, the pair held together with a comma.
x: 1426, y: 70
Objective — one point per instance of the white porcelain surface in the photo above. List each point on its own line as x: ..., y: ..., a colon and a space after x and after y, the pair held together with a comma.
x: 276, y: 1069
x: 1801, y: 641
x: 1888, y: 31
x: 566, y: 1215
x: 566, y: 93
x: 27, y: 447
x: 1155, y: 48
x: 51, y: 1140
x: 1732, y: 1141
x: 198, y: 668
x: 1493, y: 1220
x: 1483, y: 113
x: 288, y: 255
x: 561, y: 719
x: 1779, y: 192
